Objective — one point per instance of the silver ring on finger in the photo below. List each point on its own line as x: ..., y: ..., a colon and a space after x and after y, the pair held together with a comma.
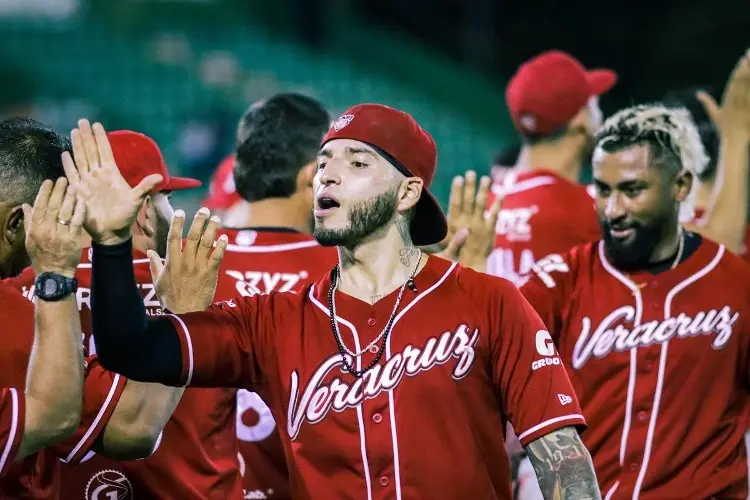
x: 63, y: 222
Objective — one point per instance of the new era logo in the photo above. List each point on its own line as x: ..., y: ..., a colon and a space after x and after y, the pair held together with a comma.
x: 564, y: 399
x: 342, y: 122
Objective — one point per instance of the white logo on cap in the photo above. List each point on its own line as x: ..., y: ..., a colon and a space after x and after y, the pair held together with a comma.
x: 528, y: 122
x: 342, y: 122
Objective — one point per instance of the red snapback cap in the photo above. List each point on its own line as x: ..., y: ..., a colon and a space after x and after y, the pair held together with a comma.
x: 409, y: 148
x: 222, y: 193
x: 546, y: 92
x: 138, y: 156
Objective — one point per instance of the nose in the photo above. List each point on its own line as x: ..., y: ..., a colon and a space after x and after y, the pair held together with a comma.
x: 329, y: 174
x: 614, y: 208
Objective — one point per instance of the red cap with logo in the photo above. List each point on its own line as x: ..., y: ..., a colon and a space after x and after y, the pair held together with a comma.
x: 547, y: 91
x: 409, y: 148
x: 222, y: 193
x: 137, y: 156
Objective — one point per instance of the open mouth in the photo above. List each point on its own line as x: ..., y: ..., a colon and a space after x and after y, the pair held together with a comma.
x: 324, y: 205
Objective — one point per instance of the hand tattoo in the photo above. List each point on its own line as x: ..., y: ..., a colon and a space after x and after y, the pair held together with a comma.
x: 563, y: 466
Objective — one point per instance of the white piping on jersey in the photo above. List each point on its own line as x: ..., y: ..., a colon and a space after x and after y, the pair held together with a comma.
x: 14, y: 416
x: 189, y: 341
x: 518, y: 187
x: 87, y: 265
x: 282, y: 247
x: 95, y: 423
x: 360, y: 417
x: 633, y: 359
x: 572, y: 416
x: 391, y: 402
x: 663, y: 364
x: 747, y: 454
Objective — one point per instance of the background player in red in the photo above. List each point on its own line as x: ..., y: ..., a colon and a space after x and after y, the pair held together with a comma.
x: 344, y: 414
x: 553, y: 101
x: 197, y: 453
x: 49, y: 409
x: 656, y: 342
x: 223, y: 199
x: 119, y: 419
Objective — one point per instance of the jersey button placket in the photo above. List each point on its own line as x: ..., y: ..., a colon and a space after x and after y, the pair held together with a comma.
x: 384, y: 481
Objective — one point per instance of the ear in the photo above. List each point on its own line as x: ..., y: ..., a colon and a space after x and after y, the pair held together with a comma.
x: 13, y: 230
x: 683, y: 184
x: 306, y: 175
x: 409, y: 193
x: 145, y: 222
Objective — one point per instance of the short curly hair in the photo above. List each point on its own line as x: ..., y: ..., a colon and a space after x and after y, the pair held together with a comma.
x: 670, y: 133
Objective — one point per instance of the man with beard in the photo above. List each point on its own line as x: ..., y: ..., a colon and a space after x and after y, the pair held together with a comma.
x: 197, y: 454
x: 653, y: 321
x: 390, y: 354
x: 554, y: 103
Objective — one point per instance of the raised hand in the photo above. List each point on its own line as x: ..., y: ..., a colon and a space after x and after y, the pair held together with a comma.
x: 186, y: 281
x: 111, y: 204
x: 734, y: 114
x: 53, y: 228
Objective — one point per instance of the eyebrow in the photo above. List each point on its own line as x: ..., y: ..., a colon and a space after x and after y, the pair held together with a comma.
x: 349, y: 150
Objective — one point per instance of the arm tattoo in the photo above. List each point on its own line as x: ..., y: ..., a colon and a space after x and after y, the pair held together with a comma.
x: 563, y: 466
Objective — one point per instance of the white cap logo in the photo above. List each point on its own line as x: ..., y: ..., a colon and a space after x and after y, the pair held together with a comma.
x: 342, y: 122
x: 527, y: 122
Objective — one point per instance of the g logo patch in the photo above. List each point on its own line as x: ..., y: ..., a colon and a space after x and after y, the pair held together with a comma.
x: 254, y: 419
x: 544, y: 344
x: 109, y: 485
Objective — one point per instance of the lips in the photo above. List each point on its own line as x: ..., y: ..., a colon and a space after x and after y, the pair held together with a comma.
x: 324, y: 205
x: 621, y: 233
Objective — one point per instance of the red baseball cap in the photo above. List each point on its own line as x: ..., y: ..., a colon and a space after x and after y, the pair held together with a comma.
x: 138, y: 156
x: 546, y: 92
x: 409, y: 148
x: 222, y: 193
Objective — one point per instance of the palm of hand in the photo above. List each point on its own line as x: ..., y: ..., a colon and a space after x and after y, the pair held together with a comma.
x: 111, y: 207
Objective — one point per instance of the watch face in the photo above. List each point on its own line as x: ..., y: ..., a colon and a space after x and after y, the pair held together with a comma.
x: 50, y: 287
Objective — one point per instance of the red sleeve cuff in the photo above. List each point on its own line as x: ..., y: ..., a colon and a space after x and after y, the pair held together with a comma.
x: 9, y: 450
x: 544, y: 428
x: 92, y: 428
x: 186, y: 345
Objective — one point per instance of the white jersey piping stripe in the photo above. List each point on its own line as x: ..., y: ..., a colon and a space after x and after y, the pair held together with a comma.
x: 282, y: 247
x: 13, y: 427
x: 663, y: 364
x: 360, y: 417
x: 95, y: 423
x: 519, y: 187
x: 189, y: 341
x: 391, y: 402
x: 87, y: 265
x: 546, y: 423
x: 633, y: 358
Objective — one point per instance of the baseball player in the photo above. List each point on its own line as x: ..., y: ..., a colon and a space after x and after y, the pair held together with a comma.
x: 222, y: 198
x: 365, y: 379
x: 120, y: 418
x: 197, y: 454
x: 272, y: 249
x: 49, y: 409
x: 553, y: 101
x: 651, y: 323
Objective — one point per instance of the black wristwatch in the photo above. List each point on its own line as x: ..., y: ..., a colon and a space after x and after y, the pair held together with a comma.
x: 52, y: 287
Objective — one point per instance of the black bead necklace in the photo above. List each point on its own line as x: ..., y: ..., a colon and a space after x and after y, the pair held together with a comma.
x: 382, y: 338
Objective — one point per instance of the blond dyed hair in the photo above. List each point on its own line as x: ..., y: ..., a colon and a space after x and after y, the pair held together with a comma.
x: 672, y: 135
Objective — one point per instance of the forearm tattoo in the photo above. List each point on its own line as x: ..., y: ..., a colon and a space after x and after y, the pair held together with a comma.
x: 563, y: 466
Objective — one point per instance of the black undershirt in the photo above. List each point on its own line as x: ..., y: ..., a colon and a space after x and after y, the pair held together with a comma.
x: 692, y: 242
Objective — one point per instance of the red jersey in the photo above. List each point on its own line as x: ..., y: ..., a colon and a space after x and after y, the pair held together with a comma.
x: 660, y: 362
x: 264, y: 260
x: 542, y: 213
x: 36, y: 476
x: 428, y: 420
x: 12, y: 418
x: 197, y: 453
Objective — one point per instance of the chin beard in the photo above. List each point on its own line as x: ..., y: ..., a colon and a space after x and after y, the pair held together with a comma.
x: 634, y: 254
x: 365, y: 219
